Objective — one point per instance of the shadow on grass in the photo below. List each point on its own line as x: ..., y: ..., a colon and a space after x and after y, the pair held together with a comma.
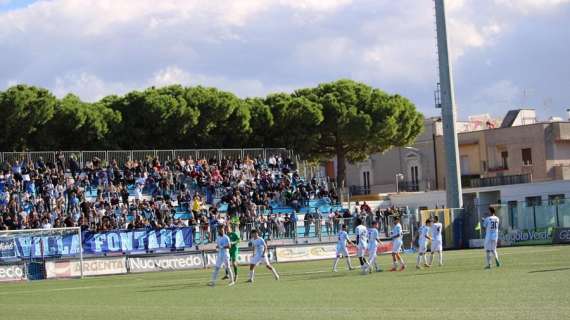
x: 430, y: 272
x: 549, y: 270
x: 318, y: 276
x: 173, y: 287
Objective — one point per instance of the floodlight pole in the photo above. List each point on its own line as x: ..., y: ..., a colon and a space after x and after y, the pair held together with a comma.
x: 452, y: 182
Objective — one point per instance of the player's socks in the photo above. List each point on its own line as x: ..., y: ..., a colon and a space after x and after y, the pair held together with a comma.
x: 231, y: 275
x: 441, y: 258
x: 394, y: 266
x: 418, y: 260
x: 335, y: 264
x: 215, y: 274
x: 488, y: 258
x: 251, y: 275
x: 275, y: 275
x: 497, y: 258
x: 348, y: 263
x: 431, y: 259
x: 235, y: 272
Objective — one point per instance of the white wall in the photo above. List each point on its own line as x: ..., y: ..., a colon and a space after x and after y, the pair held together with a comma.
x: 419, y: 199
x: 515, y: 192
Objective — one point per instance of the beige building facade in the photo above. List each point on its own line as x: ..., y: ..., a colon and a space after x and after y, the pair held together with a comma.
x: 520, y: 150
x: 526, y: 153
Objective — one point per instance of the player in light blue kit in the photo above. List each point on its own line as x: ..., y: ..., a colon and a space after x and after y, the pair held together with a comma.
x: 373, y: 242
x: 341, y: 249
x: 362, y: 245
x: 397, y: 246
x: 491, y: 225
x: 436, y: 241
x: 423, y: 237
x: 259, y: 255
x: 223, y: 244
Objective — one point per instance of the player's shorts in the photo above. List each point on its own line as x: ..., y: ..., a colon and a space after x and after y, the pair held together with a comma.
x: 223, y: 259
x: 436, y: 246
x: 422, y: 248
x: 490, y: 244
x: 341, y: 251
x: 360, y: 251
x: 396, y: 246
x: 255, y: 260
x: 233, y: 255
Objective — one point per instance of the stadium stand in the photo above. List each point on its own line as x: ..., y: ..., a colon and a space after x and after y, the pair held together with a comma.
x: 263, y: 193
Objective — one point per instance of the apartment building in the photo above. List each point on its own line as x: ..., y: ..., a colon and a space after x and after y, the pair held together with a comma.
x: 519, y: 149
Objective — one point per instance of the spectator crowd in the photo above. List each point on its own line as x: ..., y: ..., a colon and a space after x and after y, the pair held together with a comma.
x: 149, y: 193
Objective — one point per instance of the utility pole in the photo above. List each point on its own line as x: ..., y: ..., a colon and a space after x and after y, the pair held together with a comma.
x: 453, y: 181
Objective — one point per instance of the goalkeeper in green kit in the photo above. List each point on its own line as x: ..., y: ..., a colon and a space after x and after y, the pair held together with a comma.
x: 234, y: 249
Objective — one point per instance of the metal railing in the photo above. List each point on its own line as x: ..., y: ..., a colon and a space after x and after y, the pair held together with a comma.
x: 322, y: 229
x: 359, y: 190
x: 123, y: 156
x: 498, y: 181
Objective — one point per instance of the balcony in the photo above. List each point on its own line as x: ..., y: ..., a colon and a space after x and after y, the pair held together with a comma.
x: 415, y: 186
x: 496, y: 181
x: 359, y: 190
x: 498, y: 169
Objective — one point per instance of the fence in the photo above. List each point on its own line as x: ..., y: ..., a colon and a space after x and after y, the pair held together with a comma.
x: 520, y: 222
x: 123, y: 156
x: 522, y: 216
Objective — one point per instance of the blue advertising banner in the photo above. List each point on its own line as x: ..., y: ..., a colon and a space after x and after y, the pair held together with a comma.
x: 126, y: 241
x: 7, y: 248
x: 25, y: 246
x: 39, y: 246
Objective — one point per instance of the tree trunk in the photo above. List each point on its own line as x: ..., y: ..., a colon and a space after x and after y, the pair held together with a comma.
x: 340, y: 168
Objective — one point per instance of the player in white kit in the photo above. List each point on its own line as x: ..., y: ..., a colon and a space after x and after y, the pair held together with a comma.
x: 259, y: 255
x: 423, y: 237
x: 361, y: 245
x: 436, y: 241
x: 341, y: 249
x: 223, y: 243
x: 373, y: 242
x: 397, y: 246
x: 491, y: 225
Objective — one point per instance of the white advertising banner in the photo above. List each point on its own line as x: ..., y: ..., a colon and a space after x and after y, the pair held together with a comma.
x: 168, y: 262
x: 243, y: 258
x: 91, y: 267
x: 12, y: 273
x: 306, y: 253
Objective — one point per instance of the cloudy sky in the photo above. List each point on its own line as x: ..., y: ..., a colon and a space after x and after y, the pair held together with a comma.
x: 506, y: 53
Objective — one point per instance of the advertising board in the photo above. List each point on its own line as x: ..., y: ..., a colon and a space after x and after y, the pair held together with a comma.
x: 166, y: 262
x: 91, y: 267
x: 14, y: 272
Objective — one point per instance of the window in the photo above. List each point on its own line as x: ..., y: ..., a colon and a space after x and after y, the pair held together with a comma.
x: 556, y: 199
x: 533, y: 201
x: 505, y: 157
x: 414, y: 174
x: 464, y: 165
x: 366, y: 179
x: 527, y: 156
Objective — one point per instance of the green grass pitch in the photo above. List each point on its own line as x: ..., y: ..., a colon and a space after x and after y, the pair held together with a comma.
x: 533, y: 283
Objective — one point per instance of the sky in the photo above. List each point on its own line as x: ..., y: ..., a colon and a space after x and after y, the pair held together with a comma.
x: 506, y: 54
